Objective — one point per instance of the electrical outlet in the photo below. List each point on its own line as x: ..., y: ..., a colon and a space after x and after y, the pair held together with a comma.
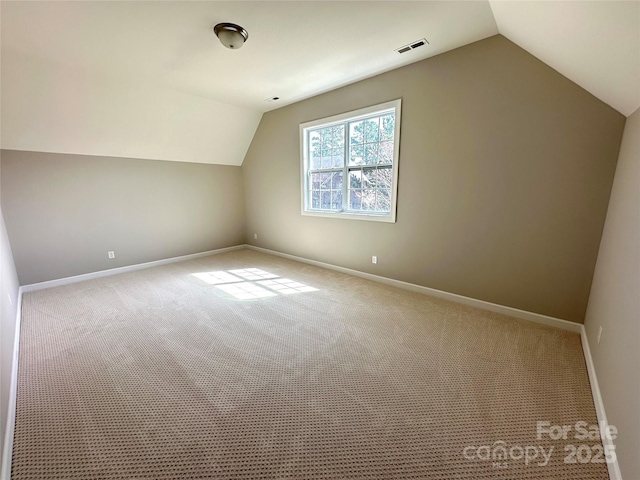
x: 255, y: 236
x: 599, y: 334
x: 111, y: 254
x: 374, y: 259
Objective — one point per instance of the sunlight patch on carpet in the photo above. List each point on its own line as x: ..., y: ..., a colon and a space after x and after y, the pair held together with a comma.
x: 248, y: 283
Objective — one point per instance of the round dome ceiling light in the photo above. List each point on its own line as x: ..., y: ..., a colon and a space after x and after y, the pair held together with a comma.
x: 231, y: 35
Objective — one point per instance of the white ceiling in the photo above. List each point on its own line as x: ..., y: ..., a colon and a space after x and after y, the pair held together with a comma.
x: 295, y: 49
x: 594, y: 43
x: 110, y: 78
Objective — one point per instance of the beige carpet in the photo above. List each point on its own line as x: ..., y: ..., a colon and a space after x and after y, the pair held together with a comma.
x: 165, y: 374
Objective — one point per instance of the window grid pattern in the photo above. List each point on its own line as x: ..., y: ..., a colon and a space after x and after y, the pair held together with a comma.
x: 252, y: 283
x: 286, y: 286
x: 253, y: 273
x: 245, y: 290
x: 350, y: 165
x: 215, y: 278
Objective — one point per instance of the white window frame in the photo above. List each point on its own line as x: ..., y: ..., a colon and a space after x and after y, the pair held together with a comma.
x: 343, y: 118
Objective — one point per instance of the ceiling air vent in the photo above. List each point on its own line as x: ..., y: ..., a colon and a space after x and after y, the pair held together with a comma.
x: 413, y: 45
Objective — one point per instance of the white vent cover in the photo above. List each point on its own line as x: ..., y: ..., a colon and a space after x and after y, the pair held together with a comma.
x: 413, y: 45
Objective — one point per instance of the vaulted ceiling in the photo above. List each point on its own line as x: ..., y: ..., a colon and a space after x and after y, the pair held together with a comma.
x: 150, y: 80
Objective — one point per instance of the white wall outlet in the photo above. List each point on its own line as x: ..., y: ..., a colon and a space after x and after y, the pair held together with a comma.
x: 111, y: 254
x: 599, y: 334
x: 374, y: 259
x: 255, y: 236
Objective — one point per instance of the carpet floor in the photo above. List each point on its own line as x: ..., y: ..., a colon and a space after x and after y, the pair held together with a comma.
x: 248, y: 366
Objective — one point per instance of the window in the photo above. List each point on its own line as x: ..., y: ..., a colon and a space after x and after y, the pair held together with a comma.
x: 350, y: 164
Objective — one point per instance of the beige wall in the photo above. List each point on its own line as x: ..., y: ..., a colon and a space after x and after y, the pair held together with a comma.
x: 614, y: 304
x: 8, y: 310
x: 505, y: 173
x: 64, y: 212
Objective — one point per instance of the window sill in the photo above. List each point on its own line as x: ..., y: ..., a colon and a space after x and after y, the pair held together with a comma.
x: 372, y: 217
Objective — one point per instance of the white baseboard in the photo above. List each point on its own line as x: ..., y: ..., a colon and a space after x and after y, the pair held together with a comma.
x: 129, y: 268
x: 473, y: 302
x: 614, y: 467
x: 7, y: 451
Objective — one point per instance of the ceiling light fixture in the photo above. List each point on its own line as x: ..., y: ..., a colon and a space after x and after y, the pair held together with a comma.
x: 231, y: 35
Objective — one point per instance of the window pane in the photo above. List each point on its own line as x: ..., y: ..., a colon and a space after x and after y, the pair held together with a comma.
x: 314, y: 140
x: 385, y: 177
x: 355, y: 179
x: 325, y: 160
x: 368, y: 199
x: 326, y: 135
x: 355, y: 202
x: 387, y: 126
x: 356, y: 133
x: 383, y: 200
x: 315, y: 181
x: 371, y: 130
x: 338, y: 157
x: 325, y: 200
x: 369, y: 178
x: 325, y: 181
x: 357, y: 155
x: 336, y: 181
x: 315, y: 199
x: 336, y: 199
x: 338, y: 136
x: 371, y: 154
x: 385, y: 154
x: 314, y: 149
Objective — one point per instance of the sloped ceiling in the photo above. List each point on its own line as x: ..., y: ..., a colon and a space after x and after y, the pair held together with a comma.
x: 150, y: 80
x: 595, y: 44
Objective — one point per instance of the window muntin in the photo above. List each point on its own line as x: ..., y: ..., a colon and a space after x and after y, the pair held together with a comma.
x: 350, y: 164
